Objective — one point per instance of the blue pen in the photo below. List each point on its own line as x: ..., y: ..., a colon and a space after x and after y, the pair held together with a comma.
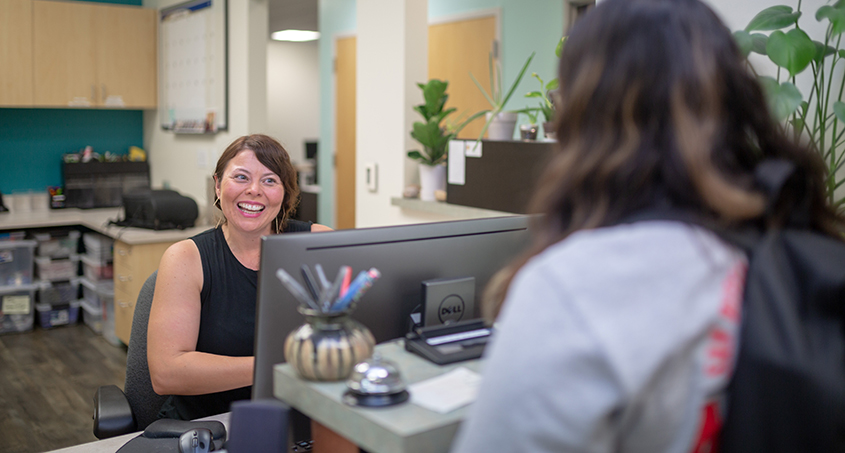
x: 357, y: 288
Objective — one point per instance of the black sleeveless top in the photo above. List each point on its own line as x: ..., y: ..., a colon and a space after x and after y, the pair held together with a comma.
x: 227, y: 319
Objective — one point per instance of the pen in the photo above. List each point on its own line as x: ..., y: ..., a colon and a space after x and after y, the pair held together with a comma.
x: 296, y: 289
x: 345, y: 285
x: 331, y: 294
x: 322, y: 275
x: 311, y: 282
x: 359, y: 286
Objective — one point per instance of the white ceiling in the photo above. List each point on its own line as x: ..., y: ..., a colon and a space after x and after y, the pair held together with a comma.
x: 293, y: 14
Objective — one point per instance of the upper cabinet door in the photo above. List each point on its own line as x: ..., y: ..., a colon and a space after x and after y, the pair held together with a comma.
x: 126, y: 56
x: 16, y: 53
x: 64, y: 58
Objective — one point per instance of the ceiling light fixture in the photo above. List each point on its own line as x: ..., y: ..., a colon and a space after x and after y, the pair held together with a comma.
x: 295, y: 35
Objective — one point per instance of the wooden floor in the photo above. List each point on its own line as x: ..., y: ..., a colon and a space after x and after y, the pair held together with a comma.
x: 47, y: 382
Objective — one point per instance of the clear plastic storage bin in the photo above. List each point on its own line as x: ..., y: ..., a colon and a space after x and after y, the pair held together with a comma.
x: 98, y: 247
x: 16, y: 308
x: 100, y: 294
x: 58, y: 244
x: 93, y: 316
x: 94, y: 269
x: 16, y: 258
x: 57, y: 315
x: 59, y: 292
x: 57, y: 269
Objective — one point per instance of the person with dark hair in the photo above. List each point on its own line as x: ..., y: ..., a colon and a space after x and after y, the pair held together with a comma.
x: 202, y: 321
x: 621, y: 335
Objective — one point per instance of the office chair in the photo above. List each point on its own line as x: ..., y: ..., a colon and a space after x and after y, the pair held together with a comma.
x: 124, y: 411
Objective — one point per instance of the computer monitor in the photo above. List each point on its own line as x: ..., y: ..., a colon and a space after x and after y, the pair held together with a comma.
x: 406, y: 255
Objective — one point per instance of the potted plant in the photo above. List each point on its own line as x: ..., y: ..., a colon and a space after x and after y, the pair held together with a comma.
x: 434, y: 135
x: 528, y: 132
x: 544, y: 94
x: 500, y: 123
x: 819, y: 118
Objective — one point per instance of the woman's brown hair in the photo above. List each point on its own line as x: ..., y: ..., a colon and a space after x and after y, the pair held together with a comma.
x: 656, y: 104
x: 272, y: 155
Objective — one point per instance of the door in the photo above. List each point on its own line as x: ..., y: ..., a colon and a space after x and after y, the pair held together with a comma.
x: 15, y: 53
x: 345, y: 132
x: 454, y: 50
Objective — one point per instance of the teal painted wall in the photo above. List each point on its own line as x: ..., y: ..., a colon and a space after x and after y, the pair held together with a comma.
x: 526, y: 26
x: 32, y: 141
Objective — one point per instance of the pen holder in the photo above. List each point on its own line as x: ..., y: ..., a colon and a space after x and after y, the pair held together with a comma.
x: 328, y: 345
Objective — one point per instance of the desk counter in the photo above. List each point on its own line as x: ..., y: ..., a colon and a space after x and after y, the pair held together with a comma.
x: 404, y: 428
x: 95, y: 219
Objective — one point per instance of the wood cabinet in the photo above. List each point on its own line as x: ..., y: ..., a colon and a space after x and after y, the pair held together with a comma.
x: 93, y: 55
x: 16, y: 53
x: 132, y: 265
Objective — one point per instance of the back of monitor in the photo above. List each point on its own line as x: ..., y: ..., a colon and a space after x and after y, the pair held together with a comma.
x: 406, y: 255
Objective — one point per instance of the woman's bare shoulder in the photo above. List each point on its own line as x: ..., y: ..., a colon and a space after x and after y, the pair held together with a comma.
x: 316, y: 227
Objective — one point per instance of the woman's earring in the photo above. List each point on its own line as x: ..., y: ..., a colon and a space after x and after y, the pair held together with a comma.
x: 278, y: 230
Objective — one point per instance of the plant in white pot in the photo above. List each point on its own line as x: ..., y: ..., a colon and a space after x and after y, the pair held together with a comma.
x: 434, y: 135
x: 500, y: 123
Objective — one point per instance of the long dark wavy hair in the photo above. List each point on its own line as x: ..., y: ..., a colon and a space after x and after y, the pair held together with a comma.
x: 272, y: 155
x: 656, y: 104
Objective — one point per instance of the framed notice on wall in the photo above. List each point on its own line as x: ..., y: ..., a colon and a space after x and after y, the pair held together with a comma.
x: 192, y: 61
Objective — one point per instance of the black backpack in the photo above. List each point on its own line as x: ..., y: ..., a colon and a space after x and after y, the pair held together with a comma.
x: 787, y: 393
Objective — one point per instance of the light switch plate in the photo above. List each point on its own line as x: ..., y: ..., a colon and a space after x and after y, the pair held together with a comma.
x: 371, y: 176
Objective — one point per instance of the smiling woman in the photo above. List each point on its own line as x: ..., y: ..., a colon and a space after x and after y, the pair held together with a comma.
x: 202, y: 321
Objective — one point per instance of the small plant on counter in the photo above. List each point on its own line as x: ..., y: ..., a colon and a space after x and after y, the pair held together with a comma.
x: 435, y: 133
x: 495, y: 96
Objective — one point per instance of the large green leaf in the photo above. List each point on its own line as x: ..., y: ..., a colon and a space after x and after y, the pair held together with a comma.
x: 839, y: 110
x: 822, y: 51
x: 552, y: 85
x: 743, y: 41
x: 774, y: 18
x: 836, y: 16
x: 416, y: 155
x: 783, y: 99
x: 759, y: 41
x: 792, y: 51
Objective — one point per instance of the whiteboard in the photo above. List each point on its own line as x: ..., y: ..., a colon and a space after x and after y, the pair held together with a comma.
x: 192, y: 62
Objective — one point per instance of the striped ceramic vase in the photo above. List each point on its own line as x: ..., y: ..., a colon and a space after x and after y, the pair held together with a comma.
x: 328, y: 345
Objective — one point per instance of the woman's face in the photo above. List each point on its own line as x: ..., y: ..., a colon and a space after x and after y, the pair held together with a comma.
x: 250, y: 194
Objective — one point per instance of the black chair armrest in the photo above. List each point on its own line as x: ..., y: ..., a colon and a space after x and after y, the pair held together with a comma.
x: 112, y: 413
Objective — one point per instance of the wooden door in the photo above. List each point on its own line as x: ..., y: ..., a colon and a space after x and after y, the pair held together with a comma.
x: 16, y: 53
x: 64, y: 62
x: 126, y: 56
x: 454, y: 50
x: 345, y: 57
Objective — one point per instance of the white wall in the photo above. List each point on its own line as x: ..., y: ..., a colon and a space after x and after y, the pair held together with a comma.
x: 184, y: 162
x: 293, y: 94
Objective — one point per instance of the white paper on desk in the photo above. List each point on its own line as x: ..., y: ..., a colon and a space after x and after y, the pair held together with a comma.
x: 457, y: 163
x: 446, y: 392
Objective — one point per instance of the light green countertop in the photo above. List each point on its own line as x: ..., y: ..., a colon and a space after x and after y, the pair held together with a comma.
x: 404, y: 428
